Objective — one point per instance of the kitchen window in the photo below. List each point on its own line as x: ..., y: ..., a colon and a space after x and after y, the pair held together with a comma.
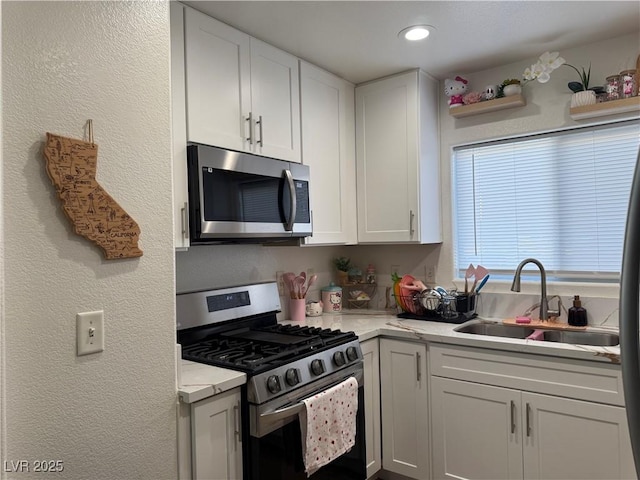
x: 560, y: 197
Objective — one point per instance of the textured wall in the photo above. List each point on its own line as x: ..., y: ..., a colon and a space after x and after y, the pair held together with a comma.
x: 109, y: 415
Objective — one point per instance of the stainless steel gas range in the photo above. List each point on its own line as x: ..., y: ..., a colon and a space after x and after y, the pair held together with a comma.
x: 236, y: 328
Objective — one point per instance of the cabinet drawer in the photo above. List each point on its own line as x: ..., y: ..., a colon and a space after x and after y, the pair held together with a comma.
x: 551, y: 375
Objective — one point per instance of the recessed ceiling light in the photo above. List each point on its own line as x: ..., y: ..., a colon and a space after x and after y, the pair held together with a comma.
x: 415, y: 32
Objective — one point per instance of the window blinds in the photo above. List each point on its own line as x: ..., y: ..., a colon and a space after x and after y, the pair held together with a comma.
x: 561, y: 198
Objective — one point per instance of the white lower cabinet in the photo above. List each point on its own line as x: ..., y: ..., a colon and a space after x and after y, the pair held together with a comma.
x: 569, y: 438
x: 216, y: 448
x: 484, y: 431
x: 473, y: 435
x: 371, y: 354
x: 405, y: 424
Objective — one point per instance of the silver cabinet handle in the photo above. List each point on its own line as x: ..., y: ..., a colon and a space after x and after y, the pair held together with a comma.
x: 236, y: 422
x: 259, y: 122
x: 411, y: 215
x: 292, y: 202
x: 513, y: 416
x: 418, y: 368
x: 528, y: 420
x: 250, y: 120
x: 185, y: 220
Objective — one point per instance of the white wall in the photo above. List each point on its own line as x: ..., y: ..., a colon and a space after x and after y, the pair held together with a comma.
x: 547, y: 109
x: 109, y: 415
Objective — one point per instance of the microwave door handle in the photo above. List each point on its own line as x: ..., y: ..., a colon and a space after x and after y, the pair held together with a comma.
x: 292, y: 201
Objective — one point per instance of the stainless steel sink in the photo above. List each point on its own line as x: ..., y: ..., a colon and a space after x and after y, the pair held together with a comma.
x: 580, y: 337
x: 600, y: 339
x: 495, y: 330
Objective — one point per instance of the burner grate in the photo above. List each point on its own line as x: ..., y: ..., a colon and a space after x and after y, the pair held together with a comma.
x: 259, y: 349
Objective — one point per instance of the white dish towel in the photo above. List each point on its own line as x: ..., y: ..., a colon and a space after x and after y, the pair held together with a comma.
x: 328, y: 424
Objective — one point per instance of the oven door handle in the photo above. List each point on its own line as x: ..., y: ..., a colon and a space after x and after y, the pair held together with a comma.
x: 282, y: 413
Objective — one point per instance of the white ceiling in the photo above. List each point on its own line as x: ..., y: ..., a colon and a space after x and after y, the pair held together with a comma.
x: 358, y: 40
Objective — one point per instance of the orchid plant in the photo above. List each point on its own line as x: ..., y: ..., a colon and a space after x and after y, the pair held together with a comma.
x: 542, y: 69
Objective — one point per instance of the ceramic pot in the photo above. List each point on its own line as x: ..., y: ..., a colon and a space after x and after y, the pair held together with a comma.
x: 585, y: 97
x: 510, y: 90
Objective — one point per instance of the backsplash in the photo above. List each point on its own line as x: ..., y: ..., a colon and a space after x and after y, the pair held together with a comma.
x: 601, y: 312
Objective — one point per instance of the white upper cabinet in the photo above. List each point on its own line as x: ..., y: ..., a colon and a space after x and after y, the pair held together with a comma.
x: 397, y: 158
x: 218, y: 72
x: 179, y: 129
x: 242, y: 94
x: 275, y: 102
x: 328, y: 148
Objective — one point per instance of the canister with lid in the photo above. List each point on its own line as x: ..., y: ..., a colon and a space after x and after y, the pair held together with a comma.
x: 613, y: 87
x: 332, y: 298
x: 628, y: 83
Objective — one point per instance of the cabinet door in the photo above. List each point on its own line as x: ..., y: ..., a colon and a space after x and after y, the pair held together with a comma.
x: 403, y: 379
x: 387, y: 159
x: 572, y: 439
x: 476, y: 431
x: 328, y: 148
x: 179, y: 129
x: 218, y: 82
x: 371, y: 354
x: 215, y: 437
x: 275, y: 102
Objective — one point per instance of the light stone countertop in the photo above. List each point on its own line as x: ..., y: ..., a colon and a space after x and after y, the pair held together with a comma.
x: 198, y: 381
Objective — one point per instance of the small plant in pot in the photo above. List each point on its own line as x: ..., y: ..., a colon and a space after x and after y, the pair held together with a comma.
x: 583, y: 84
x: 342, y: 264
x: 582, y: 95
x: 511, y: 86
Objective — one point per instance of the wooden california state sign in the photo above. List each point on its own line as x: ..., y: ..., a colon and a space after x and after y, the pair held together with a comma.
x: 95, y: 215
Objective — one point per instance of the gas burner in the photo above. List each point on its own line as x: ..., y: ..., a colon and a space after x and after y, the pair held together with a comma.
x: 213, y: 330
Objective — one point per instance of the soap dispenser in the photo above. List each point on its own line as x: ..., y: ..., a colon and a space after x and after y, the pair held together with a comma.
x: 577, y: 313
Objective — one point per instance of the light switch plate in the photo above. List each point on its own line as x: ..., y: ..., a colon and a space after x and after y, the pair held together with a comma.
x: 90, y: 332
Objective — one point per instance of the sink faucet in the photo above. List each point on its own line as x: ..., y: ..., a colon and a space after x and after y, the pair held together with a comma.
x: 544, y: 303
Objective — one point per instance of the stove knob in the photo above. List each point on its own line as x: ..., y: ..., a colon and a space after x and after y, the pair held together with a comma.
x: 292, y: 377
x: 317, y: 367
x: 352, y: 354
x: 273, y: 384
x: 338, y: 359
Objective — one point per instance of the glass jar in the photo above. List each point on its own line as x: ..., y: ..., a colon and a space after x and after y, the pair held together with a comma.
x: 628, y: 83
x: 613, y: 87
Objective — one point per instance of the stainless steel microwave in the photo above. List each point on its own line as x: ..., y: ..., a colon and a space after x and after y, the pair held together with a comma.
x: 240, y: 197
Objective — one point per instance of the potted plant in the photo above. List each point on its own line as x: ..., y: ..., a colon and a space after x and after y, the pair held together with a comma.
x: 511, y: 86
x: 342, y: 264
x: 581, y: 94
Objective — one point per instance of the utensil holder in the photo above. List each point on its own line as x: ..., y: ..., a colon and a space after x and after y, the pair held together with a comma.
x: 465, y: 304
x: 297, y: 309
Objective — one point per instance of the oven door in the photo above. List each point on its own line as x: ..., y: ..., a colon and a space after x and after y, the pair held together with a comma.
x: 274, y: 450
x: 235, y: 195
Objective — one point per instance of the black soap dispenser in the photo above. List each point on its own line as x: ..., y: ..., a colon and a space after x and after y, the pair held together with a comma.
x: 577, y: 313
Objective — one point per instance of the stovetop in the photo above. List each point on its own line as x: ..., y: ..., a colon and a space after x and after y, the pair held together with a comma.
x: 236, y: 328
x: 256, y: 350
